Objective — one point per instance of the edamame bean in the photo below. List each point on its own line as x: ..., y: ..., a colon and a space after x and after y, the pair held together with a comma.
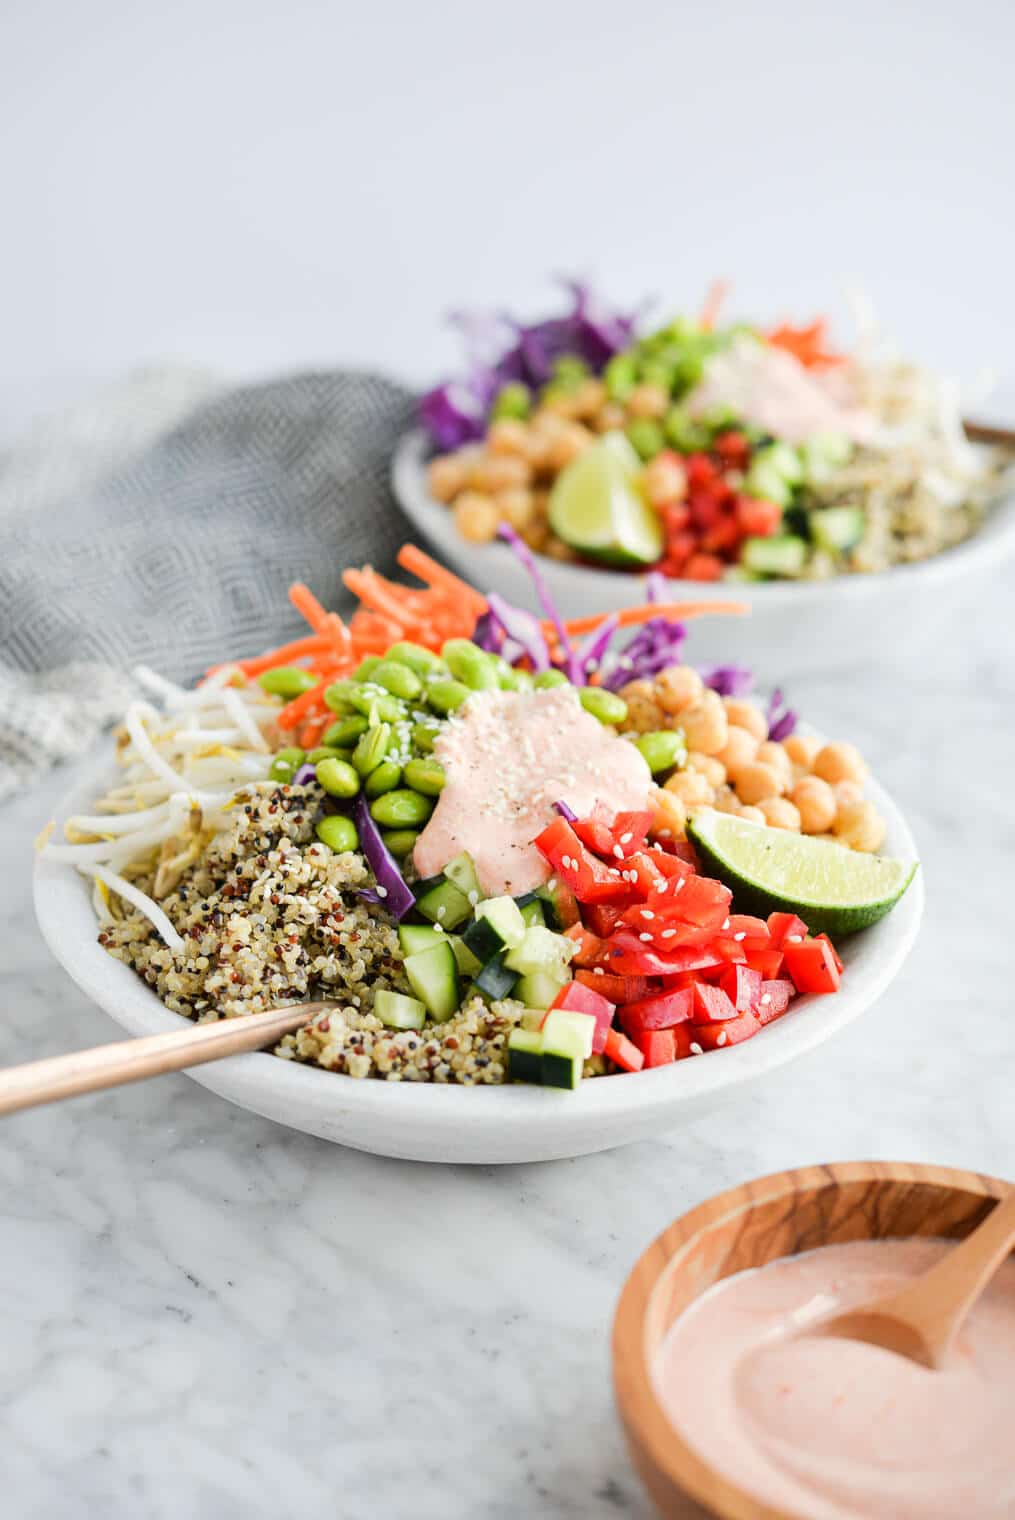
x: 383, y: 778
x: 423, y: 661
x: 401, y: 810
x: 398, y: 679
x: 338, y: 778
x: 400, y: 842
x: 446, y: 696
x: 508, y: 678
x: 602, y: 704
x: 346, y: 731
x: 286, y: 681
x: 338, y: 833
x: 426, y: 776
x: 470, y: 664
x: 372, y: 748
x: 327, y: 752
x: 338, y: 696
x: 423, y: 737
x: 545, y: 680
x: 662, y: 749
x: 366, y: 667
x: 370, y: 699
x: 286, y: 763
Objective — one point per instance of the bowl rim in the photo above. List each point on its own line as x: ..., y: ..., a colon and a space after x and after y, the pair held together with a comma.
x: 994, y: 538
x: 645, y: 1421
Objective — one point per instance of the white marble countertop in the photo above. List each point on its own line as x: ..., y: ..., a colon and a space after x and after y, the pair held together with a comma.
x: 208, y: 1316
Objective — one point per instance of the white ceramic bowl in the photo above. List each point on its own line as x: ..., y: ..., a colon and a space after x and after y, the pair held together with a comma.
x: 425, y: 1122
x: 794, y: 626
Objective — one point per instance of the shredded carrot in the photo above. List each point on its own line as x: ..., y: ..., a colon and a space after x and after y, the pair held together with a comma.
x: 303, y: 706
x: 305, y: 602
x: 413, y: 559
x: 374, y: 592
x: 299, y: 649
x: 714, y: 298
x: 630, y: 616
x: 310, y: 733
x: 806, y: 344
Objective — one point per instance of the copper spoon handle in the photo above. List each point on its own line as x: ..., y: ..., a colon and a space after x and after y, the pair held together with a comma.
x: 85, y: 1071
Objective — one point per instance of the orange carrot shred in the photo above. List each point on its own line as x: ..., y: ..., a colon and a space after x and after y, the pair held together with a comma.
x: 714, y: 298
x: 305, y: 602
x: 413, y: 559
x: 633, y: 615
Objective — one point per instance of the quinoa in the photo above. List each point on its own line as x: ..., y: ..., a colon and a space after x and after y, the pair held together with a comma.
x: 269, y: 915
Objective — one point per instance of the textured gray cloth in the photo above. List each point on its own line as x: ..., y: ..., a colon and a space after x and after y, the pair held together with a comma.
x: 181, y: 552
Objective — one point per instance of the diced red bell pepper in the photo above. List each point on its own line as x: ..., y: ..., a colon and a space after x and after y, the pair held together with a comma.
x: 581, y: 999
x: 587, y: 877
x: 758, y: 518
x: 774, y: 1000
x: 622, y: 1053
x: 835, y: 954
x: 589, y: 948
x: 703, y: 567
x: 812, y: 966
x: 669, y: 863
x: 667, y: 933
x: 742, y: 986
x: 596, y: 835
x: 783, y: 926
x: 684, y: 850
x: 601, y: 918
x: 750, y: 932
x: 700, y: 900
x: 648, y: 876
x: 618, y: 989
x: 733, y: 449
x: 701, y: 470
x: 728, y: 950
x: 711, y: 1005
x: 565, y: 906
x: 658, y: 1046
x: 768, y: 962
x: 630, y: 956
x: 716, y: 1036
x: 637, y: 824
x: 659, y: 1012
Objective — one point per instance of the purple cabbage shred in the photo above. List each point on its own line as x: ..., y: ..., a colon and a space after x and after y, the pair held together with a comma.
x: 305, y: 774
x: 392, y: 891
x: 780, y: 723
x: 657, y: 643
x: 729, y: 680
x: 566, y: 812
x: 522, y: 552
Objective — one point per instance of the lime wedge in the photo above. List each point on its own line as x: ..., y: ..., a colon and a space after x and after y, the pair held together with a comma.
x: 833, y: 889
x: 597, y: 507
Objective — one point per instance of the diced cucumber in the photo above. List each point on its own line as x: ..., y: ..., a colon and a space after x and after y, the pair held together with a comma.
x: 399, y: 1011
x: 563, y: 1055
x: 495, y: 980
x: 414, y: 937
x: 782, y: 555
x: 837, y: 529
x: 541, y: 951
x: 784, y: 459
x: 468, y: 964
x: 559, y: 1020
x: 504, y: 917
x: 765, y: 483
x: 531, y: 909
x: 538, y: 990
x: 462, y: 872
x: 433, y: 977
x: 445, y: 904
x: 823, y: 454
x: 525, y: 1056
x: 482, y: 940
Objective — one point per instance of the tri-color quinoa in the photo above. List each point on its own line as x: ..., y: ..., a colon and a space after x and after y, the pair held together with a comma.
x: 270, y: 915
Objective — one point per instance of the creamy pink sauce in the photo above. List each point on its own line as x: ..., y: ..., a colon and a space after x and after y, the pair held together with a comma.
x: 829, y: 1428
x: 509, y: 756
x: 770, y: 388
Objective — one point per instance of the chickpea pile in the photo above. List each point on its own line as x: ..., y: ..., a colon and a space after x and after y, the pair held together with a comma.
x: 798, y: 783
x: 508, y: 475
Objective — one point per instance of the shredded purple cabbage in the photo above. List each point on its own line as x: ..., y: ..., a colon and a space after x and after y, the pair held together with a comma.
x: 502, y: 351
x: 392, y: 890
x: 729, y: 680
x: 522, y: 552
x: 522, y: 629
x: 305, y: 774
x: 590, y: 651
x: 657, y: 643
x: 488, y: 633
x: 566, y: 812
x: 656, y: 589
x: 780, y: 724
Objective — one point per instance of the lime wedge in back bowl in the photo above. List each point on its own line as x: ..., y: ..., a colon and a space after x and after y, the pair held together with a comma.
x: 597, y: 506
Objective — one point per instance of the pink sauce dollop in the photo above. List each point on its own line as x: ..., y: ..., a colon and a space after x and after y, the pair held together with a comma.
x: 828, y: 1429
x: 508, y: 757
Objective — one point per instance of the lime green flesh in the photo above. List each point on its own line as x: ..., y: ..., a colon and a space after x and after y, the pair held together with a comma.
x: 834, y: 890
x: 597, y: 507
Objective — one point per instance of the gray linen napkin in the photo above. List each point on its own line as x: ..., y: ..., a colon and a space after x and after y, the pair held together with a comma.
x: 181, y: 551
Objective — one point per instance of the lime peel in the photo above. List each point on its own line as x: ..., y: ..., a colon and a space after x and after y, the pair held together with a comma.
x: 597, y: 506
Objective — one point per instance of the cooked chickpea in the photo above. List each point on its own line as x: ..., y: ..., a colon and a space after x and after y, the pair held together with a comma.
x: 847, y: 792
x: 556, y: 548
x: 746, y: 715
x: 691, y: 787
x: 726, y: 800
x: 678, y: 687
x: 775, y: 756
x: 801, y: 750
x: 708, y: 766
x: 508, y: 436
x: 517, y: 505
x: 609, y: 418
x: 752, y: 815
x: 756, y: 782
x: 446, y: 476
x: 571, y: 441
x: 476, y: 516
x: 779, y: 813
x: 669, y: 812
x: 704, y: 724
x: 741, y: 749
x: 648, y: 400
x: 589, y: 398
x: 816, y: 804
x: 839, y: 762
x: 861, y: 826
x: 498, y: 472
x: 664, y: 480
x: 535, y: 535
x: 644, y: 714
x: 562, y: 404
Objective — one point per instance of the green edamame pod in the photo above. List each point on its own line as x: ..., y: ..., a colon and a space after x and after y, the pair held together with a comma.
x: 286, y: 763
x: 470, y: 664
x: 338, y: 833
x: 338, y: 696
x: 327, y: 752
x: 400, y: 842
x: 544, y: 680
x: 445, y: 696
x: 338, y: 778
x: 426, y: 776
x: 424, y: 737
x: 423, y: 661
x: 345, y: 732
x: 663, y: 749
x: 372, y: 748
x: 602, y: 704
x: 508, y: 678
x: 286, y: 681
x: 371, y: 701
x: 398, y: 679
x: 401, y: 810
x: 366, y: 667
x: 383, y: 778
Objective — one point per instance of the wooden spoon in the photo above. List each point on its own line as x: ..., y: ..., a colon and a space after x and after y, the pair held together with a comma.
x: 921, y: 1321
x: 85, y: 1071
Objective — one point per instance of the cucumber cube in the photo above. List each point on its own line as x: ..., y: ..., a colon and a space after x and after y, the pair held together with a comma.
x: 495, y: 980
x: 433, y: 977
x: 462, y: 871
x: 525, y: 1060
x: 504, y: 917
x: 539, y: 990
x: 398, y: 1011
x: 445, y: 904
x: 541, y: 950
x: 563, y: 1024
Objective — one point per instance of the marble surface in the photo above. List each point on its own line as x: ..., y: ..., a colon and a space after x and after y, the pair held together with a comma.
x: 208, y: 1316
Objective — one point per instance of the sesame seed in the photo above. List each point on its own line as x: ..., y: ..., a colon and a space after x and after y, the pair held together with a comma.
x: 720, y: 1038
x: 679, y: 883
x: 794, y: 939
x: 626, y: 838
x: 767, y: 997
x: 597, y: 970
x: 668, y: 934
x: 741, y: 935
x: 381, y: 891
x: 696, y: 1049
x: 618, y: 852
x: 725, y: 923
x: 441, y: 911
x: 647, y: 913
x: 646, y: 938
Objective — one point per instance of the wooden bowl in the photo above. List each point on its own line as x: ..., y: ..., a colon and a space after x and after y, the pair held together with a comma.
x: 747, y: 1227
